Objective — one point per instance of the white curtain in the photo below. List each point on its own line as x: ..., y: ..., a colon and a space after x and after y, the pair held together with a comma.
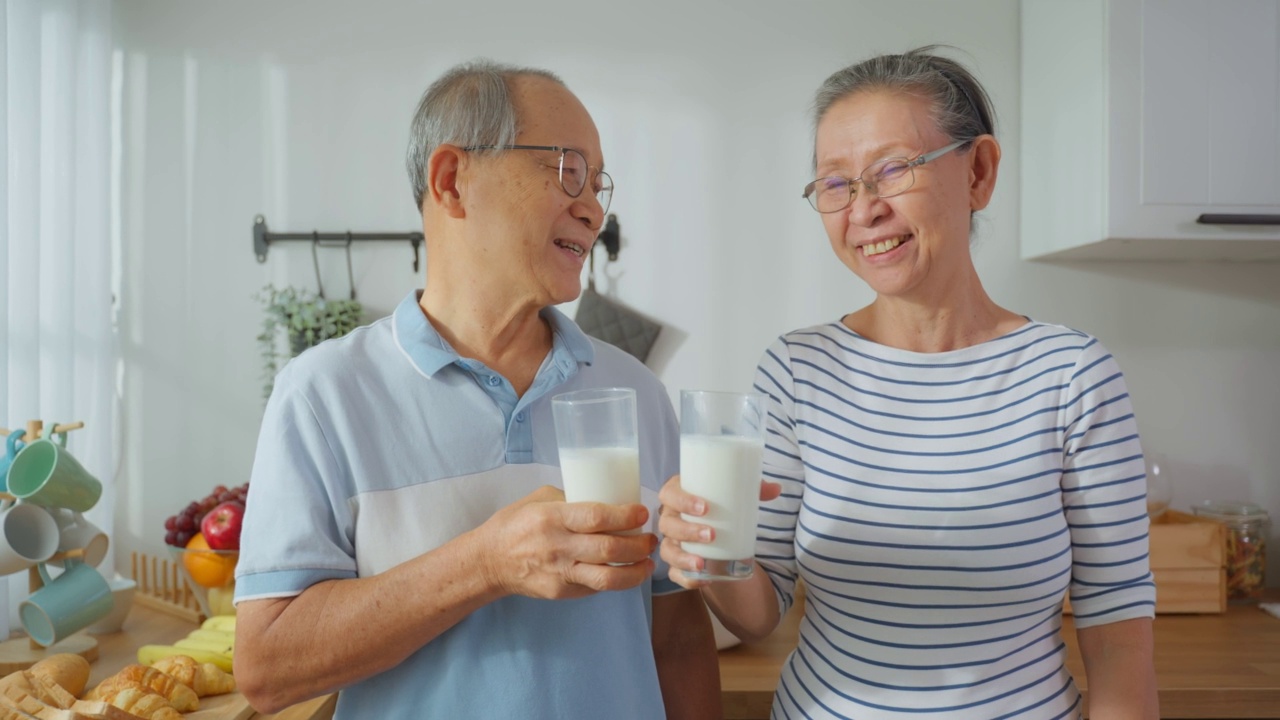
x: 58, y: 347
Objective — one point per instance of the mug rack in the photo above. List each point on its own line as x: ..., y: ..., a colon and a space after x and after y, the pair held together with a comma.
x: 21, y: 653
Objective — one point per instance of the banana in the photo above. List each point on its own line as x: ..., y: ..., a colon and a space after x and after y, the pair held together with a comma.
x: 148, y: 654
x: 220, y: 636
x: 220, y: 622
x: 218, y: 646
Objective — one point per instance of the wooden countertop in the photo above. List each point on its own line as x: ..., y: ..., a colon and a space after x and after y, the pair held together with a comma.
x: 146, y: 626
x: 1207, y: 666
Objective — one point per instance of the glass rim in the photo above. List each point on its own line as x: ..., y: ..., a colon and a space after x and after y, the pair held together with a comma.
x: 588, y: 396
x: 1231, y: 510
x: 211, y: 551
x: 724, y: 393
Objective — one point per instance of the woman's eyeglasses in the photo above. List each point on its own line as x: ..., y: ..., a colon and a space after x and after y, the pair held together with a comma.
x: 883, y: 179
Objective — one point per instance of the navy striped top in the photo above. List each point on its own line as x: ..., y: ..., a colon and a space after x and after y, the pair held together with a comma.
x: 938, y: 507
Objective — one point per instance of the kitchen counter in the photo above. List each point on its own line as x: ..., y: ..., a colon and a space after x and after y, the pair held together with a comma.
x: 145, y: 626
x: 1207, y: 666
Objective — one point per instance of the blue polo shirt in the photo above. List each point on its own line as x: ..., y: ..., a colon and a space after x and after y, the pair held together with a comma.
x: 385, y: 444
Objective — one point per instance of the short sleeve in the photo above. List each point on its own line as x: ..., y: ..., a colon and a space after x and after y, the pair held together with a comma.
x: 776, y: 530
x: 298, y: 524
x: 1104, y: 495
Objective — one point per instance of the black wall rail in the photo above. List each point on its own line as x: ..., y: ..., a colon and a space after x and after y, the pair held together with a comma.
x: 262, y: 239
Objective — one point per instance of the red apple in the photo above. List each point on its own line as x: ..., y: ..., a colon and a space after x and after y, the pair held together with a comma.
x: 221, y: 526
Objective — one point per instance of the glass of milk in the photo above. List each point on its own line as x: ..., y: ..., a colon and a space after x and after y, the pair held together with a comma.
x: 599, y: 442
x: 721, y: 446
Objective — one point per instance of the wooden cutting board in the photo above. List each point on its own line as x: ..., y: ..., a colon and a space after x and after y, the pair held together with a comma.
x: 232, y: 706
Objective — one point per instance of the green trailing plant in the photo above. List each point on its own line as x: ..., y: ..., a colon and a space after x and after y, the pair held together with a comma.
x: 299, y: 319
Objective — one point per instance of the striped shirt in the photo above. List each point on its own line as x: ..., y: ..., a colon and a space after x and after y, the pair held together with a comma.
x: 938, y: 506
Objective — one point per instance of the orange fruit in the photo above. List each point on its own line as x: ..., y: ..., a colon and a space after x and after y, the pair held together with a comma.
x: 208, y: 568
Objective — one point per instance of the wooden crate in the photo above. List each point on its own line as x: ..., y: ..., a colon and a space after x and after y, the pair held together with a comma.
x: 1188, y: 560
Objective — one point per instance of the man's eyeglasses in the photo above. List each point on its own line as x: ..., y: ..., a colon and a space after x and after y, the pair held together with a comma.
x: 883, y: 179
x: 573, y: 169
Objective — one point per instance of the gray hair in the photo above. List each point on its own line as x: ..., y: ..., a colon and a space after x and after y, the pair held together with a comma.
x: 961, y: 108
x: 469, y: 105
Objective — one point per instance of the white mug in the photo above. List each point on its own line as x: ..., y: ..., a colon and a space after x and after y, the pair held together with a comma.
x: 28, y: 535
x: 77, y: 533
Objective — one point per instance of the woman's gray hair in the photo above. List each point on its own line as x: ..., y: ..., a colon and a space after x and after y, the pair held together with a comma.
x: 469, y: 105
x: 961, y: 108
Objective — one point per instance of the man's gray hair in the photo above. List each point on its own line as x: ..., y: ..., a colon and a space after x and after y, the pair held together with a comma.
x: 469, y: 105
x: 962, y: 109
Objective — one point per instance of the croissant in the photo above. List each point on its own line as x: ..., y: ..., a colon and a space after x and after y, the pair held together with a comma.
x: 65, y: 669
x: 97, y: 710
x: 142, y: 702
x: 204, y: 678
x: 181, y: 697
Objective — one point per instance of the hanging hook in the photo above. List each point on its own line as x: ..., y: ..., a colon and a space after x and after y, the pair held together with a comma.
x: 315, y: 260
x: 416, y: 241
x: 351, y: 281
x: 611, y: 237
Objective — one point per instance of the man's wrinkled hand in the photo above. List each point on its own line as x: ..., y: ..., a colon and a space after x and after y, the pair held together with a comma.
x: 542, y: 547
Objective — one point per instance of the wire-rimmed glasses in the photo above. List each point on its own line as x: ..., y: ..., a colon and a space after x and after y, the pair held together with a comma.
x: 883, y: 179
x: 573, y: 170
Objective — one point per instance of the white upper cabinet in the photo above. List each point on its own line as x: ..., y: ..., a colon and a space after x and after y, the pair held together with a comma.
x: 1151, y: 129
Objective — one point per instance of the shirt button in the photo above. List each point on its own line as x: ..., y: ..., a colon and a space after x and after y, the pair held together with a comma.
x: 520, y: 416
x: 494, y: 381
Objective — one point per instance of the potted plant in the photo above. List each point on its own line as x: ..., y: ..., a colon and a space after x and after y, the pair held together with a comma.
x: 304, y: 319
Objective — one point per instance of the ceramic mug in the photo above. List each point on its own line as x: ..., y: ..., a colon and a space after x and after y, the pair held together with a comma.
x: 71, y: 602
x: 77, y: 533
x: 11, y: 449
x: 28, y: 535
x: 122, y: 591
x: 44, y: 473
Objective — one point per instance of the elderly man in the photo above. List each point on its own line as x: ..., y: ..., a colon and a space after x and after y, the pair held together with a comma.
x: 404, y: 543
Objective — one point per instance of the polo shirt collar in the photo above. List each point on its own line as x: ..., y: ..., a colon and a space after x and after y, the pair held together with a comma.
x: 430, y: 352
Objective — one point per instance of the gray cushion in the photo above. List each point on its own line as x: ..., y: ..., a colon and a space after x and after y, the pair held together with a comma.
x: 616, y: 324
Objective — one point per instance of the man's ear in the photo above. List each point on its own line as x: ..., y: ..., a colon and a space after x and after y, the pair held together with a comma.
x: 444, y: 168
x: 984, y: 165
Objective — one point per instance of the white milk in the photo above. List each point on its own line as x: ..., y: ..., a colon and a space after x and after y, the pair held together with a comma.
x: 725, y: 471
x: 604, y: 475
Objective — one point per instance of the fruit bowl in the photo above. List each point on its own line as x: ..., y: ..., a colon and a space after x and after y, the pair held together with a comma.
x: 211, y: 576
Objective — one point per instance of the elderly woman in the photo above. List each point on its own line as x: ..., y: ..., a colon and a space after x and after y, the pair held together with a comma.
x: 943, y: 470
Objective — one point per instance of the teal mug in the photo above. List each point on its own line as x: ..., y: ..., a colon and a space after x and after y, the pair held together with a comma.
x: 11, y: 449
x: 44, y: 473
x: 67, y: 604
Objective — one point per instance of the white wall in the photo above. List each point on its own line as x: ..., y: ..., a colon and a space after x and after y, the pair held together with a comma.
x: 298, y: 110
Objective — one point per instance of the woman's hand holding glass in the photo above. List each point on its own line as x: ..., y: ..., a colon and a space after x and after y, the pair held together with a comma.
x: 674, y: 529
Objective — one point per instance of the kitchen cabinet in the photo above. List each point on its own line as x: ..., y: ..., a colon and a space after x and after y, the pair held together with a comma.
x: 1141, y: 116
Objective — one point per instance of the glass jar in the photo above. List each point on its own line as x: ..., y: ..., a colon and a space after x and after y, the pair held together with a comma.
x: 1247, y: 528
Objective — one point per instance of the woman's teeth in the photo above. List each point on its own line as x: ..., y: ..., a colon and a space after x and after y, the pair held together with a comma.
x: 880, y: 247
x: 575, y: 249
